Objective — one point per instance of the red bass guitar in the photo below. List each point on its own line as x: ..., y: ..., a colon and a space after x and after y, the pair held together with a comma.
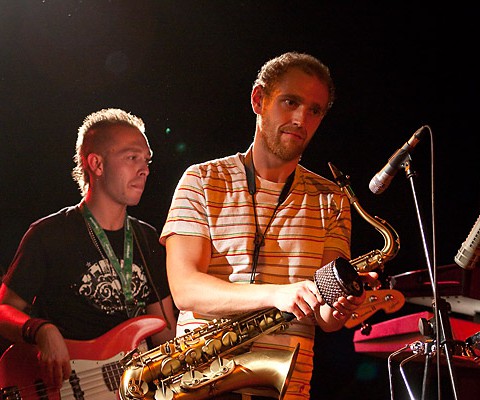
x: 96, y: 367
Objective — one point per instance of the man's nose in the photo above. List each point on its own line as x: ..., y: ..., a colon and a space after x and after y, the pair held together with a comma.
x: 299, y: 116
x: 145, y: 168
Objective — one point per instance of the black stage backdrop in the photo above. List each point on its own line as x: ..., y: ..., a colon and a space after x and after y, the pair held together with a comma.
x: 186, y: 67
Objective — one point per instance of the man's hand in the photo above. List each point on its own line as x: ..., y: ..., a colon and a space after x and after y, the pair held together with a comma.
x: 53, y: 355
x: 300, y: 298
x: 345, y: 306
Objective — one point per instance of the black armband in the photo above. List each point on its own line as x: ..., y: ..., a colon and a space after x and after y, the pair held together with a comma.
x: 31, y: 327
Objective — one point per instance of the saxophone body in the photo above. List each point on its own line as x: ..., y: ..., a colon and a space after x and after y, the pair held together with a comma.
x: 210, y: 360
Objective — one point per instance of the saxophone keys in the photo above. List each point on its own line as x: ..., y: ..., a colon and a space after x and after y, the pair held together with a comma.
x: 212, y: 347
x: 229, y: 338
x: 193, y: 379
x: 137, y: 388
x: 192, y: 356
x: 170, y: 366
x: 167, y: 348
x: 266, y: 322
x: 163, y: 393
x: 221, y: 367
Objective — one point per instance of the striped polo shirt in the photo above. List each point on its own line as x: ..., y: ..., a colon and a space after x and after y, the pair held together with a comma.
x: 212, y: 200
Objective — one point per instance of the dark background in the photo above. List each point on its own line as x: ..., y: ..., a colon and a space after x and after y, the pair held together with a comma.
x: 186, y: 68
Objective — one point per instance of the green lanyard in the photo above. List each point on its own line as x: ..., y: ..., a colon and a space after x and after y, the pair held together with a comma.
x: 124, y: 274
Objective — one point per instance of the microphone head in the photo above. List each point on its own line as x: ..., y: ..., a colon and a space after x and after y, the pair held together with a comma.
x: 380, y: 182
x: 466, y: 257
x: 375, y: 186
x: 468, y: 254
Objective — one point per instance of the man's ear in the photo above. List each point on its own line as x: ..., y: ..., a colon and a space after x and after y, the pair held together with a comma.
x: 95, y: 164
x: 257, y: 98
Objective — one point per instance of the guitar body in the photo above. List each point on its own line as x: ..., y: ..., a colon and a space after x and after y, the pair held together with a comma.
x: 96, y: 370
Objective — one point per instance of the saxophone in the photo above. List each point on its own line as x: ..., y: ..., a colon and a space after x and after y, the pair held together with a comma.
x: 215, y: 358
x: 196, y: 365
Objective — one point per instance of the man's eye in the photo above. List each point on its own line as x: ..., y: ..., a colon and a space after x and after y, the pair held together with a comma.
x: 290, y: 102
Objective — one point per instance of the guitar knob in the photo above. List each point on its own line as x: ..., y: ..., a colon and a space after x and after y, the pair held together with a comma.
x: 372, y: 298
x: 366, y: 329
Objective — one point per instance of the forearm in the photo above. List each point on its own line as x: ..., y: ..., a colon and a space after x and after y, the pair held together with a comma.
x: 210, y: 296
x: 11, y: 323
x: 194, y: 289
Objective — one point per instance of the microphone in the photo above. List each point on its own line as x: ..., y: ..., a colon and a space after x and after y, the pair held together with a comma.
x: 382, y: 179
x: 469, y: 253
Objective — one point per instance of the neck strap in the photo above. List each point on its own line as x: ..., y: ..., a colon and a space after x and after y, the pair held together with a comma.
x: 259, y: 240
x: 251, y: 178
x: 125, y: 273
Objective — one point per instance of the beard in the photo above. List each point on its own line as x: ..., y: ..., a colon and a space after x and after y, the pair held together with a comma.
x: 287, y: 150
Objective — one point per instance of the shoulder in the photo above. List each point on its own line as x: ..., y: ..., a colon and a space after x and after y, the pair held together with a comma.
x: 218, y: 175
x: 220, y: 166
x: 146, y: 236
x: 53, y: 229
x: 66, y: 215
x: 144, y: 226
x: 316, y: 183
x: 145, y: 232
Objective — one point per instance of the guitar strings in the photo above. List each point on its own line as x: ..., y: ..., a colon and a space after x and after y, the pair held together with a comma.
x: 89, y: 381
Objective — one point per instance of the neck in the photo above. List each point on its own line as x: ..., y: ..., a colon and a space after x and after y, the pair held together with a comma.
x: 268, y: 166
x: 110, y: 216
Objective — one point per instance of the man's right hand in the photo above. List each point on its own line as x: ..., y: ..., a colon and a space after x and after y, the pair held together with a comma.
x: 53, y: 355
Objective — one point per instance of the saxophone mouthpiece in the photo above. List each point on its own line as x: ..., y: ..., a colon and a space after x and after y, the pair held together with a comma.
x: 339, y: 177
x: 335, y: 171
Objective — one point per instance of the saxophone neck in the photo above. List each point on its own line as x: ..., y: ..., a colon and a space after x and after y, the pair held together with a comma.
x: 376, y: 258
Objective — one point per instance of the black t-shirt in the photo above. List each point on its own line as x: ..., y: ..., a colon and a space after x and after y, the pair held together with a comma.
x: 58, y: 267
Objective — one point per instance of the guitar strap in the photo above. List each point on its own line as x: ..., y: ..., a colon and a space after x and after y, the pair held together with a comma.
x: 137, y: 226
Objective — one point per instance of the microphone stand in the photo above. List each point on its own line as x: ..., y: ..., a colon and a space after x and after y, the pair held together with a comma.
x: 441, y: 325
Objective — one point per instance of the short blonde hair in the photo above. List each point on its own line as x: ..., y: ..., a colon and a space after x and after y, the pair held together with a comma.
x: 92, y: 134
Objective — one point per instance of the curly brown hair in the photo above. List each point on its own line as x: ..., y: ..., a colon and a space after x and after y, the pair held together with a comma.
x: 273, y: 70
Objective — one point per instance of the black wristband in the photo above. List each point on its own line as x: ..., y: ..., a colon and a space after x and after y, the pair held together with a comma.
x: 31, y: 327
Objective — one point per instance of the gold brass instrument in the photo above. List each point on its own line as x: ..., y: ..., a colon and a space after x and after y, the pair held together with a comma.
x: 196, y: 365
x: 215, y: 358
x: 374, y: 259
